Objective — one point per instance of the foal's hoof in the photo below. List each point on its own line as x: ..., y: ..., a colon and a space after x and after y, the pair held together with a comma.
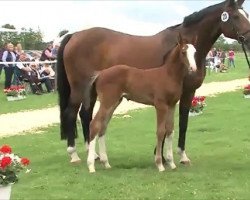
x: 185, y: 162
x: 161, y: 168
x: 172, y: 166
x: 91, y: 169
x: 75, y: 161
x: 107, y: 165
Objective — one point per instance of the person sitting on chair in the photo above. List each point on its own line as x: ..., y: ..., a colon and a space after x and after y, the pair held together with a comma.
x: 36, y: 72
x: 24, y: 72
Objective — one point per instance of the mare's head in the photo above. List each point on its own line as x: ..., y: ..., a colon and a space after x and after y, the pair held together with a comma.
x: 235, y: 22
x: 187, y: 54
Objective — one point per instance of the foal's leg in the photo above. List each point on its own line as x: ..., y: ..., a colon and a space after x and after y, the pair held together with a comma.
x: 169, y: 137
x: 161, y: 110
x: 184, y: 107
x: 98, y: 127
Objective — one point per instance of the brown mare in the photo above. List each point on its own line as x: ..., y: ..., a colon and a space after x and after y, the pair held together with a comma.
x: 160, y: 87
x: 83, y: 53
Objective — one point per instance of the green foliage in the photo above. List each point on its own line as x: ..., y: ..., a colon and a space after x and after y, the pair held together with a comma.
x: 217, y: 143
x: 63, y: 32
x: 29, y: 38
x: 222, y: 44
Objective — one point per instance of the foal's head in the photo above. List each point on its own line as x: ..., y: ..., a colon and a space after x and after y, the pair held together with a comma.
x: 187, y: 54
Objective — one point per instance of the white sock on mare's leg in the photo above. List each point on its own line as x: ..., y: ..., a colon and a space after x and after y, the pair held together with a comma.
x: 184, y: 159
x: 91, y: 156
x: 169, y: 151
x: 103, y: 152
x: 73, y: 154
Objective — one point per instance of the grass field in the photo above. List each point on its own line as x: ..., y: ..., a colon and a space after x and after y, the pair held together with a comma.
x: 218, y: 144
x: 49, y: 100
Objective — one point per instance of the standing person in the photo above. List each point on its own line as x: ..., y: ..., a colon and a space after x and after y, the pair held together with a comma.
x: 231, y: 56
x: 8, y: 56
x: 223, y: 56
x: 1, y: 55
x: 55, y: 50
x: 18, y: 50
x: 47, y: 53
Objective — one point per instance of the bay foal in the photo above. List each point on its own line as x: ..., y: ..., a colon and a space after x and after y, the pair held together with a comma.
x: 160, y: 87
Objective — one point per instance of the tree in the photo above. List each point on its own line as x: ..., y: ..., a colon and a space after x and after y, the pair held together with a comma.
x: 62, y: 32
x: 29, y: 38
x: 222, y: 44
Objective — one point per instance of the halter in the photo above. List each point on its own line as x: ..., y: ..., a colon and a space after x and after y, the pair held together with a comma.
x: 240, y: 38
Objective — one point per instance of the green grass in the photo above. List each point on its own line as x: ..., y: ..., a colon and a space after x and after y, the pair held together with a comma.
x: 49, y: 100
x: 30, y: 103
x: 241, y: 71
x: 218, y: 144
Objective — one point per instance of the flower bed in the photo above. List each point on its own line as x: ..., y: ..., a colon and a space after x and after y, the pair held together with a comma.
x: 10, y: 165
x: 15, y: 93
x: 198, y: 104
x: 246, y: 91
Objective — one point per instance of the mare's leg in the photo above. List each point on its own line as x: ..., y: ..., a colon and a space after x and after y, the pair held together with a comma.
x: 161, y: 112
x: 169, y: 137
x: 98, y: 127
x: 70, y: 116
x: 86, y: 117
x: 184, y: 107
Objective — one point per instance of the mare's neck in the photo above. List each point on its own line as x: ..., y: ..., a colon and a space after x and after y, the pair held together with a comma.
x: 207, y: 31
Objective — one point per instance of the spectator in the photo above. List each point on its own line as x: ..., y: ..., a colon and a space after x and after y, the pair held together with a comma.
x: 8, y: 56
x: 36, y: 72
x: 25, y: 72
x: 47, y: 54
x: 18, y: 50
x: 1, y: 55
x: 55, y: 50
x: 223, y: 56
x: 231, y: 56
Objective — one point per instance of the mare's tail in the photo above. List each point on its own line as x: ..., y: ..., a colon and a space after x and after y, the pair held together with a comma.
x: 62, y: 85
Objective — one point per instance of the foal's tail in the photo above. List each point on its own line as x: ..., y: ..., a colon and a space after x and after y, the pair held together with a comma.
x: 62, y: 84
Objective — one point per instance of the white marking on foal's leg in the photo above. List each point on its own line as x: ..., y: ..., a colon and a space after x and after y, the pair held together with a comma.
x: 91, y: 156
x: 169, y: 151
x: 184, y: 158
x: 73, y: 154
x: 103, y: 152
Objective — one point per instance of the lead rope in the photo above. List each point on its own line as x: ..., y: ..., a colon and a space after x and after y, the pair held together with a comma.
x: 244, y: 50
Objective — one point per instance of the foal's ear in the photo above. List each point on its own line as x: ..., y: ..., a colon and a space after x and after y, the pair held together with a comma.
x: 180, y: 40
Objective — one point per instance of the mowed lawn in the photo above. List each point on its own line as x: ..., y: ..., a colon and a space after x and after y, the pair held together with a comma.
x: 218, y: 144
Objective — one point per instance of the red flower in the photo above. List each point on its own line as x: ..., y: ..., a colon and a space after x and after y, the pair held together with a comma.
x: 25, y: 161
x: 6, y: 161
x: 194, y: 103
x: 5, y: 149
x: 202, y: 98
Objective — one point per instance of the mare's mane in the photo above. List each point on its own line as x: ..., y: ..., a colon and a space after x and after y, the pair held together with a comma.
x: 198, y: 16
